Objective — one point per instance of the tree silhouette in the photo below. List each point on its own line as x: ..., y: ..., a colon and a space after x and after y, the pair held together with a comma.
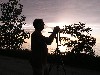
x: 85, y: 41
x: 11, y: 33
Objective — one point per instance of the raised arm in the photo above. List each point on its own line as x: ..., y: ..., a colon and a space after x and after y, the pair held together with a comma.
x: 50, y: 39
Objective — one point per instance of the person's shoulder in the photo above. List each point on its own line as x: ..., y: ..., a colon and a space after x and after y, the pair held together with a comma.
x: 33, y: 34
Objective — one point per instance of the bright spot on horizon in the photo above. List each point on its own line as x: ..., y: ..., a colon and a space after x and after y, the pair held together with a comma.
x: 60, y: 24
x: 62, y: 48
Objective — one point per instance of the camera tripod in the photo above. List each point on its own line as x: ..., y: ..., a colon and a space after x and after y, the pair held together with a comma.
x: 57, y: 66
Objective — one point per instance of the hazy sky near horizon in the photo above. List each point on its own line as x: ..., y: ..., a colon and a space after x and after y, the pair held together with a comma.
x: 61, y: 12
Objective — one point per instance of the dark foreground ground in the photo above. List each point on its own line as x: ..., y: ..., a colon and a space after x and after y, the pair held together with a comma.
x: 15, y: 66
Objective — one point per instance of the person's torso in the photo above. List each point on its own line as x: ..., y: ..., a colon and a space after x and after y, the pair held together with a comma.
x: 38, y: 45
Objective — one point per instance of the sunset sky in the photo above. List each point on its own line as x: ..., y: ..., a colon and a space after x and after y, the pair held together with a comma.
x: 61, y: 12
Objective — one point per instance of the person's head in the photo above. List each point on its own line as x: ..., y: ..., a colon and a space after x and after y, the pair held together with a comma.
x: 38, y: 24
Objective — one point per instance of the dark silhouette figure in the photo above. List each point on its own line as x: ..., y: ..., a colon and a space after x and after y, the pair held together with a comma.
x: 39, y: 47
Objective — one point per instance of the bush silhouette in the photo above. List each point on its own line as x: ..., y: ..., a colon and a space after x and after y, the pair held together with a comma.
x: 11, y: 33
x: 85, y: 41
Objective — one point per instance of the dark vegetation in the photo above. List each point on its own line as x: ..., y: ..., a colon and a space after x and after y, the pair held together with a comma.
x: 85, y: 41
x: 11, y: 33
x: 81, y: 60
x: 21, y: 54
x: 12, y: 37
x: 78, y: 60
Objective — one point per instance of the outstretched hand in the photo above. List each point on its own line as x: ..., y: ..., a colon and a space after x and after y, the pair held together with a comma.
x: 56, y: 29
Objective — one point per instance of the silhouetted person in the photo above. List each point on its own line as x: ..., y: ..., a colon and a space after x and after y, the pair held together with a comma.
x: 39, y: 46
